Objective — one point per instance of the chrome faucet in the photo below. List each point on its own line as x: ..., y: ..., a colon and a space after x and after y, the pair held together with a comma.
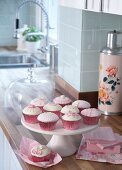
x: 41, y: 5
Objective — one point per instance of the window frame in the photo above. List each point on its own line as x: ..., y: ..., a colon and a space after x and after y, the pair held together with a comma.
x: 52, y: 9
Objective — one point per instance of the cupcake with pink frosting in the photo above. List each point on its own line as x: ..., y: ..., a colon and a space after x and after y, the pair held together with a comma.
x: 47, y: 121
x: 62, y: 100
x: 69, y: 109
x: 39, y: 102
x: 81, y: 104
x: 91, y: 116
x: 31, y: 113
x: 71, y: 121
x: 52, y: 107
x: 40, y: 153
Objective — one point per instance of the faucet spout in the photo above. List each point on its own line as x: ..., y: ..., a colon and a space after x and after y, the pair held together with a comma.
x: 41, y: 5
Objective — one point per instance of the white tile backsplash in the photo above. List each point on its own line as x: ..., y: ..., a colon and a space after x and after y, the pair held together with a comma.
x: 87, y: 38
x: 89, y: 61
x: 88, y: 20
x: 7, y: 20
x: 75, y: 38
x: 110, y: 21
x: 70, y: 17
x: 8, y: 41
x: 90, y: 40
x: 70, y: 35
x: 69, y: 54
x: 89, y: 81
x: 72, y: 75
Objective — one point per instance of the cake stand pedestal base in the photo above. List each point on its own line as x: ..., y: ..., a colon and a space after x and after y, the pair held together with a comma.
x: 62, y: 145
x: 62, y: 140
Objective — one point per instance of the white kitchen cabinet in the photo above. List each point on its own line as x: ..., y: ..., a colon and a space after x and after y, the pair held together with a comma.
x: 113, y: 6
x: 90, y: 5
x: 8, y: 159
x: 94, y: 5
x: 1, y: 148
x: 79, y: 4
x: 105, y: 6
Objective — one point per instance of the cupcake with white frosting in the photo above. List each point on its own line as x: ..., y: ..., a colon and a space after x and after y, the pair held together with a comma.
x: 47, y: 121
x: 91, y: 116
x: 81, y: 104
x: 39, y: 102
x: 69, y: 109
x: 62, y: 100
x: 31, y: 113
x: 71, y: 121
x: 40, y: 153
x: 52, y: 107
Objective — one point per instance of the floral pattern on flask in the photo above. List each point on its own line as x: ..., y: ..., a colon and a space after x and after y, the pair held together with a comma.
x: 108, y: 86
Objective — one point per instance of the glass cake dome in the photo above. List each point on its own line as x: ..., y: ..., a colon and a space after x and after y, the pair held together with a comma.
x: 22, y: 91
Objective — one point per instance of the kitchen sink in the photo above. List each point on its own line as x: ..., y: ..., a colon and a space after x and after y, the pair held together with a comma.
x: 19, y: 61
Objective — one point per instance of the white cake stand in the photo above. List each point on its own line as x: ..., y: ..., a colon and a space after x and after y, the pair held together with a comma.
x: 61, y: 141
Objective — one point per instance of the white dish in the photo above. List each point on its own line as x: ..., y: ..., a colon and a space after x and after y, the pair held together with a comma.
x: 59, y: 128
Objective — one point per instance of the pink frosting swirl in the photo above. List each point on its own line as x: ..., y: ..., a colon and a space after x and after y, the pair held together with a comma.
x: 91, y: 112
x: 62, y: 100
x: 81, y: 104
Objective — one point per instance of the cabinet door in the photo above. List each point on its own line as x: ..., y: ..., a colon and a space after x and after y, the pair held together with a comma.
x: 94, y: 5
x: 1, y: 149
x: 113, y: 6
x: 8, y: 159
x: 79, y: 4
x: 6, y: 155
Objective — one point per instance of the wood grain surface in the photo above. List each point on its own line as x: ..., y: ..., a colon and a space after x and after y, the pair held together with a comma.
x: 11, y: 125
x: 10, y: 122
x: 66, y: 88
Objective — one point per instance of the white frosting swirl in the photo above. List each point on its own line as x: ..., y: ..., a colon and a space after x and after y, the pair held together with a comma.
x: 81, y: 104
x: 71, y: 117
x: 69, y: 109
x: 91, y: 112
x: 32, y: 110
x: 48, y: 117
x: 52, y: 107
x: 40, y: 151
x: 39, y: 101
x: 62, y: 100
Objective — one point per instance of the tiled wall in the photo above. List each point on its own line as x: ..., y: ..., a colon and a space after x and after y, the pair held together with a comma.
x: 81, y: 36
x: 94, y: 33
x: 70, y: 45
x: 7, y: 19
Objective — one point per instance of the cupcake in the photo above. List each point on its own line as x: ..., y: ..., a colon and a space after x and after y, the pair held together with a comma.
x: 47, y: 121
x: 90, y: 116
x: 52, y: 107
x: 81, y: 104
x: 71, y: 121
x: 69, y: 109
x: 62, y: 100
x: 39, y: 102
x: 40, y: 153
x: 31, y: 113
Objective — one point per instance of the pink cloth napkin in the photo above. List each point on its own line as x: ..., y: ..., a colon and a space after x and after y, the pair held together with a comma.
x: 101, y: 134
x: 103, y: 137
x: 118, y: 141
x: 24, y: 152
x: 91, y: 147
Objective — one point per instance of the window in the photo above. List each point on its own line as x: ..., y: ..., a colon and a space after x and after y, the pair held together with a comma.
x: 52, y: 9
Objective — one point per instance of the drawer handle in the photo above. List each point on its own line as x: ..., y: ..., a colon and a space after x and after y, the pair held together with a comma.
x: 101, y: 5
x: 108, y: 4
x: 85, y: 4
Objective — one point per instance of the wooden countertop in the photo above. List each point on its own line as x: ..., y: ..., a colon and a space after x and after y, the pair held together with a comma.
x: 10, y: 122
x: 13, y: 129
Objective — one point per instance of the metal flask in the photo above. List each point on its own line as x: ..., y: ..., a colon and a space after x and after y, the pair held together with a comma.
x: 110, y: 75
